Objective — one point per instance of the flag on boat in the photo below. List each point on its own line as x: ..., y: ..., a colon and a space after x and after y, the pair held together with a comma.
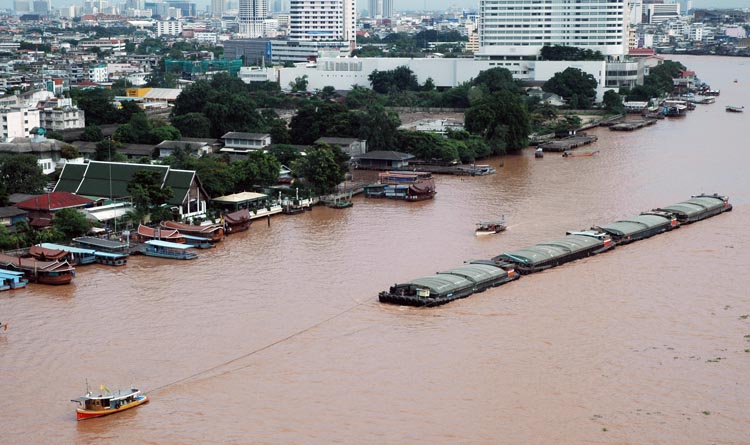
x: 103, y: 388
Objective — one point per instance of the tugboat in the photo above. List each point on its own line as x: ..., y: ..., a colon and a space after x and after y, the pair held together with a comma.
x: 108, y: 402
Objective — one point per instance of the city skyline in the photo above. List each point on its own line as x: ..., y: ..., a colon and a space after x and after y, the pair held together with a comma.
x: 404, y: 5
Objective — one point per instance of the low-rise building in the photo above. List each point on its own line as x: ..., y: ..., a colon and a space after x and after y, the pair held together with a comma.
x: 239, y: 142
x: 61, y: 115
x: 18, y: 122
x: 351, y: 146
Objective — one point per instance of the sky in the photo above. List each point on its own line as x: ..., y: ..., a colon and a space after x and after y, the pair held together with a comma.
x: 421, y: 4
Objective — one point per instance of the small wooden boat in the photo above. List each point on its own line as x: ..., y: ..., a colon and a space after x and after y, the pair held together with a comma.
x: 107, y: 402
x: 539, y: 153
x: 340, y: 204
x: 735, y: 109
x: 490, y: 227
x: 568, y: 154
x: 3, y: 326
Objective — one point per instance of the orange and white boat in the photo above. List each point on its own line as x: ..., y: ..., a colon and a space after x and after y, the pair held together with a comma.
x: 108, y: 402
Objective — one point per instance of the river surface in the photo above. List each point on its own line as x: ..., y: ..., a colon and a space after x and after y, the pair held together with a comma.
x: 276, y: 335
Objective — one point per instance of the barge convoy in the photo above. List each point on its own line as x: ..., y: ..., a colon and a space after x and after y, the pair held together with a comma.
x: 479, y: 275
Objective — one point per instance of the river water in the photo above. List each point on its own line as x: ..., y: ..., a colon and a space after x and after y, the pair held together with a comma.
x: 276, y: 335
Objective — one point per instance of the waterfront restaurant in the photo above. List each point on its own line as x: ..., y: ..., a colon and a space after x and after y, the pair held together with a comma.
x: 258, y: 204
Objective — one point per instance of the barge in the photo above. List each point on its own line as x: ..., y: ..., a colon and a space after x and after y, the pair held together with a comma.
x: 74, y: 255
x: 450, y: 285
x: 554, y: 253
x: 409, y: 186
x: 698, y: 207
x: 236, y: 222
x: 645, y: 225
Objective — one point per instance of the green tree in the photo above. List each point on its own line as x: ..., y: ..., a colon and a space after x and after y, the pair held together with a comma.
x: 71, y: 223
x: 259, y: 169
x: 496, y: 79
x: 299, y: 84
x: 285, y: 154
x: 399, y: 79
x: 97, y: 103
x: 146, y: 189
x: 560, y: 52
x: 68, y: 151
x: 92, y: 133
x: 660, y: 78
x: 320, y: 169
x: 574, y: 85
x: 613, y: 102
x: 20, y: 173
x: 52, y: 134
x: 193, y: 125
x: 378, y: 127
x: 106, y: 150
x: 502, y: 119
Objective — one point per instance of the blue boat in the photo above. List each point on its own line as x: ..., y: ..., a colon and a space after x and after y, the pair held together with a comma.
x: 166, y: 249
x: 11, y: 279
x: 111, y: 259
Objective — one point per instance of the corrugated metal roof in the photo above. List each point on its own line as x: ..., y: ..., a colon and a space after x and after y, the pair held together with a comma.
x: 707, y: 202
x: 240, y: 197
x: 160, y: 243
x: 686, y: 208
x: 70, y: 249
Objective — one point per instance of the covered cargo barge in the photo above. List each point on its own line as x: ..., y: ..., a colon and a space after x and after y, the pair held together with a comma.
x: 698, y: 207
x: 645, y: 225
x: 447, y: 286
x: 554, y: 253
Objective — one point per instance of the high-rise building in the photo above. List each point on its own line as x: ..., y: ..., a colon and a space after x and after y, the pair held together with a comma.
x: 41, y: 7
x: 381, y: 9
x: 321, y: 20
x: 520, y: 28
x: 22, y: 6
x: 217, y: 8
x: 251, y: 16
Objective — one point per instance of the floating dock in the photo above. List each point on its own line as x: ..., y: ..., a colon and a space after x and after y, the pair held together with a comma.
x: 632, y: 125
x: 568, y: 143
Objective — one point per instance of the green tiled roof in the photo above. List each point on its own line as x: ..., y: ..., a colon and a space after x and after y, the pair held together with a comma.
x: 105, y: 179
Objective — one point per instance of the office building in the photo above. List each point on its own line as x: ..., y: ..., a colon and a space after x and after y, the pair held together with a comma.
x: 518, y: 29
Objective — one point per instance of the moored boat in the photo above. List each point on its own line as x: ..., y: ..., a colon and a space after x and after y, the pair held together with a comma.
x: 146, y: 233
x: 570, y: 154
x: 490, y: 227
x: 107, y: 402
x: 214, y: 232
x: 238, y: 221
x: 74, y: 255
x: 735, y: 109
x: 450, y: 285
x: 554, y: 253
x: 166, y: 249
x: 42, y: 272
x: 539, y: 152
x: 12, y: 279
x: 409, y: 186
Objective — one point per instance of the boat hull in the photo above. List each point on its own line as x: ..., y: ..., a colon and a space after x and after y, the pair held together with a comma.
x: 83, y: 414
x: 526, y: 269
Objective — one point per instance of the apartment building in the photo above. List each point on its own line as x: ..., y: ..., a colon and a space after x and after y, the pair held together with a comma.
x: 61, y: 115
x: 18, y: 122
x: 250, y: 16
x: 322, y: 20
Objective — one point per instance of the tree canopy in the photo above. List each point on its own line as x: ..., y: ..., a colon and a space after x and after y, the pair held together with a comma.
x: 578, y: 87
x: 71, y: 223
x: 20, y: 173
x: 572, y: 53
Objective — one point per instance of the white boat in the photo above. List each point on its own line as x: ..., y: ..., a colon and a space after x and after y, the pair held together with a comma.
x: 735, y: 109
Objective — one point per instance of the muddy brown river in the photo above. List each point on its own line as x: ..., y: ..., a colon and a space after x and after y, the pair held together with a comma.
x: 276, y: 335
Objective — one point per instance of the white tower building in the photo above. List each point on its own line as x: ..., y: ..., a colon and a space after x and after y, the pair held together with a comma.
x: 323, y: 20
x: 251, y: 15
x: 381, y: 8
x: 520, y: 28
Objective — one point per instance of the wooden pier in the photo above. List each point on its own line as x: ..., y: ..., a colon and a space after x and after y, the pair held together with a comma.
x: 632, y: 125
x: 568, y: 143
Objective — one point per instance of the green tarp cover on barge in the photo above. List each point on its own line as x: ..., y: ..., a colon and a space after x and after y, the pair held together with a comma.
x: 478, y: 273
x: 552, y: 249
x: 695, y: 206
x: 440, y: 284
x: 630, y: 226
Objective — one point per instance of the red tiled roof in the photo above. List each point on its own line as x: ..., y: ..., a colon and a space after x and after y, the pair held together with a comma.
x: 54, y: 201
x: 641, y: 51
